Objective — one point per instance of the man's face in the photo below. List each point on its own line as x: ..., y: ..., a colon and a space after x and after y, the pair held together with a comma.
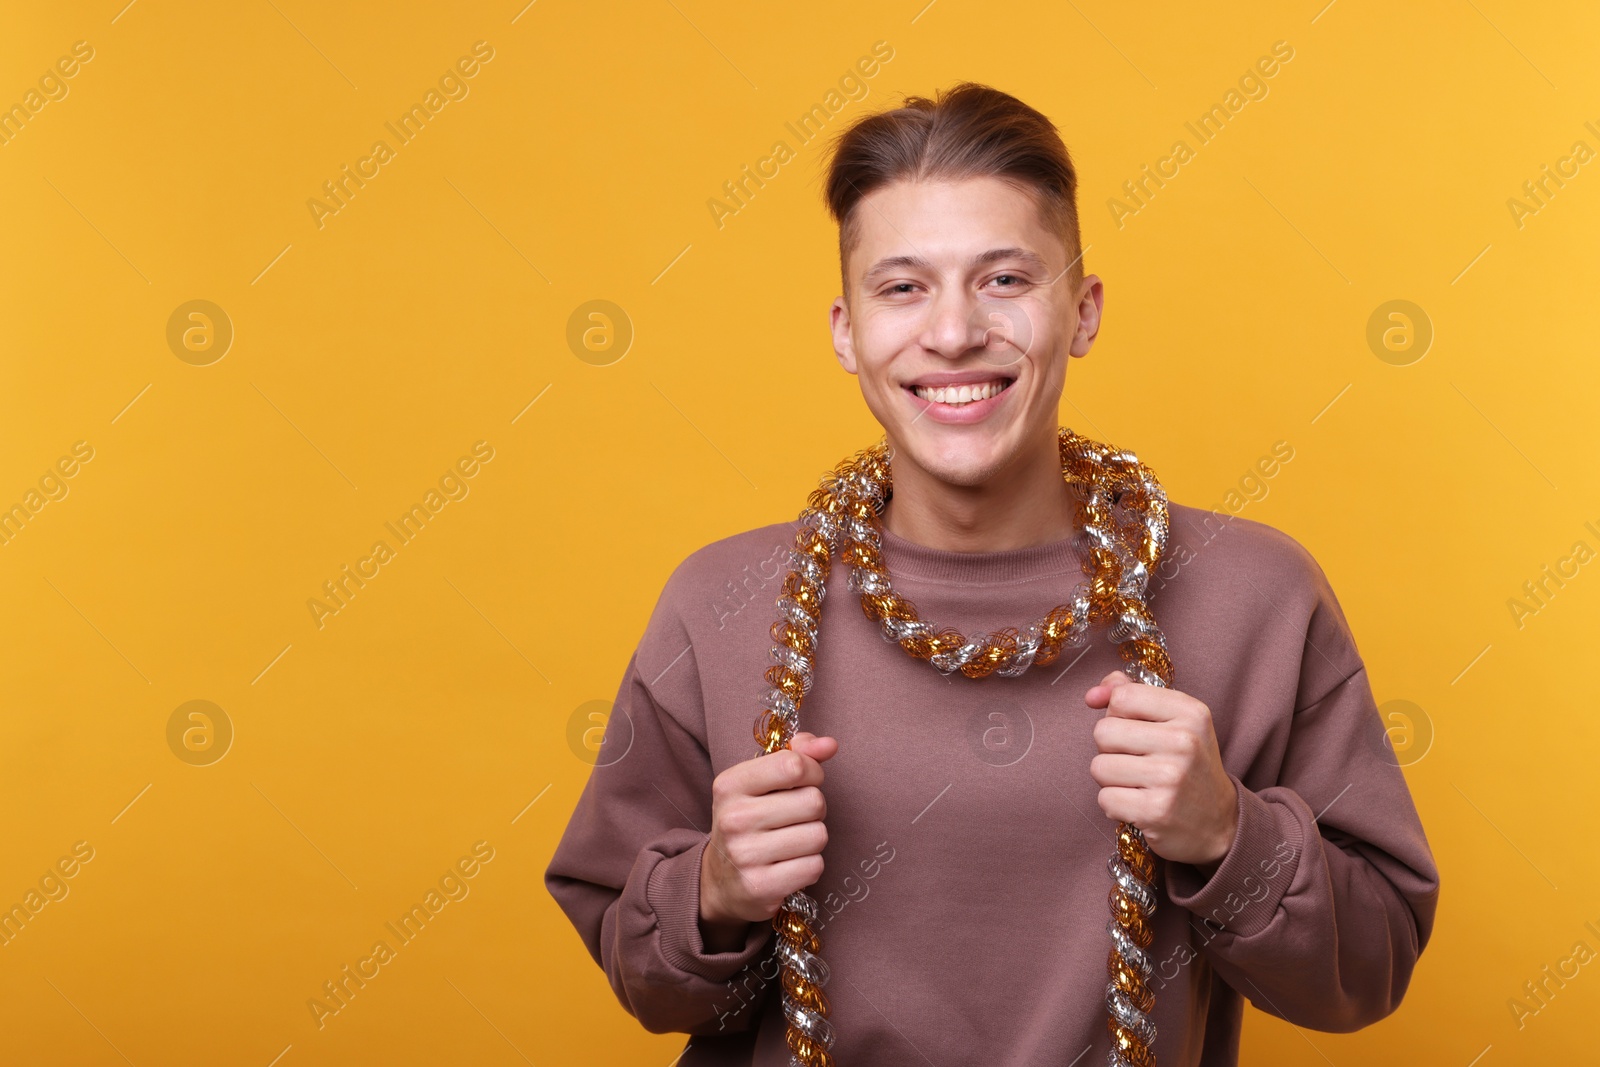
x: 958, y: 290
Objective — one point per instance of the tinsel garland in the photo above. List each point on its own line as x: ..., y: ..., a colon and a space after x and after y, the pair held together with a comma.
x: 841, y: 518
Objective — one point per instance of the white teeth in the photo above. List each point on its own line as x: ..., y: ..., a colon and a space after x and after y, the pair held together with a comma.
x: 960, y: 394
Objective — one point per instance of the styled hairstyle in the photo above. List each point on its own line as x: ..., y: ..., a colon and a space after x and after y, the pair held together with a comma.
x: 966, y: 131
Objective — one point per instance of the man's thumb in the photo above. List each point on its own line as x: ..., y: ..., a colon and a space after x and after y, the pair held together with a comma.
x: 818, y: 748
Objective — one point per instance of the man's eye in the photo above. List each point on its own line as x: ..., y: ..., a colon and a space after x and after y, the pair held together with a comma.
x: 1014, y: 279
x: 900, y: 287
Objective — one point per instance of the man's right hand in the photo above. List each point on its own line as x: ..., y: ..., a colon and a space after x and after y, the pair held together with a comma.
x: 767, y: 838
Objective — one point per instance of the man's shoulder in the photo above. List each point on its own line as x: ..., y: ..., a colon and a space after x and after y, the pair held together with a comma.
x: 1218, y: 545
x: 1280, y: 602
x: 715, y: 583
x: 724, y: 560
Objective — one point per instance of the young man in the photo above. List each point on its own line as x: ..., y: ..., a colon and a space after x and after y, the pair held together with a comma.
x: 956, y: 843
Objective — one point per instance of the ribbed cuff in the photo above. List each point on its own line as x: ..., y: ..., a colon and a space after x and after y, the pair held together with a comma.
x: 673, y: 891
x: 1243, y: 893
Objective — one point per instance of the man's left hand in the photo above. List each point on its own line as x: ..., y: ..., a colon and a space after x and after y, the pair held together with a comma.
x: 1159, y: 768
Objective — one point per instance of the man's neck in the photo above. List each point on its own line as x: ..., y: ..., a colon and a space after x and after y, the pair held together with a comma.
x: 1028, y: 504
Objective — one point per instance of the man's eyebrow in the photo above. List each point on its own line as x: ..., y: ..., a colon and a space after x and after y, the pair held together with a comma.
x: 994, y: 255
x: 894, y: 263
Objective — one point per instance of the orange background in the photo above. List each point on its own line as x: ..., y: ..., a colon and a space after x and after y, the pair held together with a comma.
x: 373, y: 347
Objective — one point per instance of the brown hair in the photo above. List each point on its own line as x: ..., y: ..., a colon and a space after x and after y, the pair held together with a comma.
x: 966, y: 131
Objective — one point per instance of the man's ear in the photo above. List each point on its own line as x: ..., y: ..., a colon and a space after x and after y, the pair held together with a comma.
x: 1086, y: 324
x: 839, y: 322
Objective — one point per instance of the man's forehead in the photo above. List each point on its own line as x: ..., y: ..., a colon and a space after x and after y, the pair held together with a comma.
x: 949, y: 225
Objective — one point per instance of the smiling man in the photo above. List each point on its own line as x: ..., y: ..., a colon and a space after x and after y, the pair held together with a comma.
x: 940, y: 836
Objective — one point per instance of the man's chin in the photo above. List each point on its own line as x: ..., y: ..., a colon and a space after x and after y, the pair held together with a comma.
x: 968, y: 460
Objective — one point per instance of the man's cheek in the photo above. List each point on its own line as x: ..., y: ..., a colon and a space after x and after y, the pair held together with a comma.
x: 884, y: 334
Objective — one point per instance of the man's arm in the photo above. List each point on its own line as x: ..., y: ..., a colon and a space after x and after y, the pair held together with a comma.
x: 1325, y: 898
x: 627, y: 872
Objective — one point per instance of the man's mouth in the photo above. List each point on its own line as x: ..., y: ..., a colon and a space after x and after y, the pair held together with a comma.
x: 965, y: 393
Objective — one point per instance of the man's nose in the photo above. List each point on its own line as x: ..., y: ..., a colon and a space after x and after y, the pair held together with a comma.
x: 949, y: 328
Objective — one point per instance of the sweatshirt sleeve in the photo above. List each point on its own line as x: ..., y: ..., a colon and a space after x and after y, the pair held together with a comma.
x: 627, y: 869
x: 1323, y: 903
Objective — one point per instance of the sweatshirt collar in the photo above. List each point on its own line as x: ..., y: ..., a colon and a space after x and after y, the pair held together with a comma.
x: 907, y: 559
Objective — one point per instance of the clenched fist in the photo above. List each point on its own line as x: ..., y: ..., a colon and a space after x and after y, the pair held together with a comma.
x: 1159, y: 768
x: 767, y: 838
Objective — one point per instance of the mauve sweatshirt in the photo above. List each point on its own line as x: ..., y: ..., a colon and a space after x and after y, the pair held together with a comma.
x: 964, y: 890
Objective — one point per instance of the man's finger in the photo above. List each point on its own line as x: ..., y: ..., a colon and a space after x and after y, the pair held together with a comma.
x: 1123, y: 804
x: 783, y: 769
x: 1113, y: 679
x: 818, y: 748
x: 1135, y: 737
x: 1118, y: 769
x: 1139, y: 701
x: 1101, y: 691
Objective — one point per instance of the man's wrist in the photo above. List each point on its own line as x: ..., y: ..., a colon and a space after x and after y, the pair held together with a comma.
x: 718, y: 933
x: 1225, y: 839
